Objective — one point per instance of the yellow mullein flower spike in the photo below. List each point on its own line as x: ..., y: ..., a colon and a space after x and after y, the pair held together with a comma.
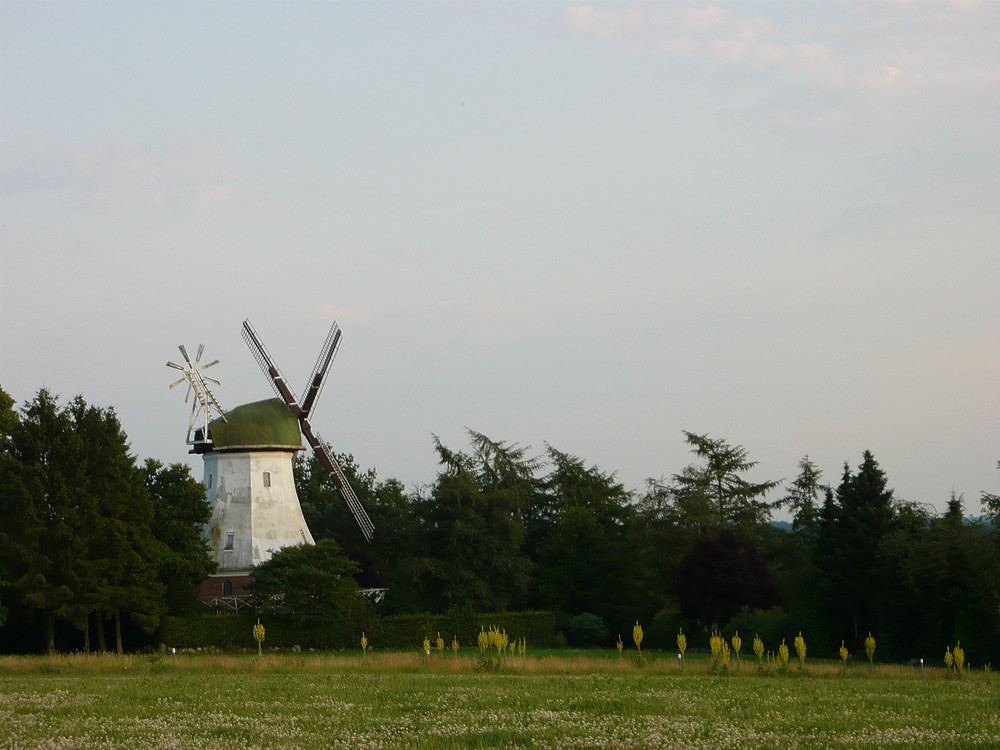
x: 870, y: 648
x: 258, y: 635
x: 800, y: 650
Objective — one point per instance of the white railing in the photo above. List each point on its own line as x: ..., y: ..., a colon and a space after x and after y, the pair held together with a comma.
x: 232, y: 603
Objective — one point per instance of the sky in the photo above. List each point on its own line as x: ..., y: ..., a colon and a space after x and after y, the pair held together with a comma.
x: 585, y: 226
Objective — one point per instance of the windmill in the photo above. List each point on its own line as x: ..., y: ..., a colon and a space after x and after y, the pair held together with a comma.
x: 204, y: 401
x: 248, y: 452
x: 302, y: 411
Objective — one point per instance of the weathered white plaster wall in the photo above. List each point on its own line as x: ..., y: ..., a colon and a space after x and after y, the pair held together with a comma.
x: 261, y: 519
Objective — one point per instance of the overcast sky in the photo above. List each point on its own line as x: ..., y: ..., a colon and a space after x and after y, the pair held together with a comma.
x: 592, y: 226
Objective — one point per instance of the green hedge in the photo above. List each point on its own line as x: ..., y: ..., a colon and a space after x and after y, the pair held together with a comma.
x: 232, y: 631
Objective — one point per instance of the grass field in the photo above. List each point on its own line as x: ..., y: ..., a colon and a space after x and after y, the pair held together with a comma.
x: 554, y: 701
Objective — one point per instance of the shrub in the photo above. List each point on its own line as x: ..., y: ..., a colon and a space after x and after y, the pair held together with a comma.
x: 587, y: 630
x: 663, y: 629
x: 771, y: 624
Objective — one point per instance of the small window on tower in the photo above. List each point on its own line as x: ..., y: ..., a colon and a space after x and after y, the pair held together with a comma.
x: 227, y: 588
x: 230, y: 539
x: 267, y: 479
x: 209, y: 485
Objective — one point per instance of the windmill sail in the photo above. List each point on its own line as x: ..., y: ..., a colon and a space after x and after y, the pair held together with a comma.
x: 340, y: 481
x: 274, y: 375
x: 314, y: 388
x: 318, y: 378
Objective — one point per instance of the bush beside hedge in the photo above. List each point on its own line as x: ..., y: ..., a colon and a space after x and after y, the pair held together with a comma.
x: 232, y: 631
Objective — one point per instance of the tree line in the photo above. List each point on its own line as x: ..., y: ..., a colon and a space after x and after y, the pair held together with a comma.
x: 502, y: 528
x: 91, y: 539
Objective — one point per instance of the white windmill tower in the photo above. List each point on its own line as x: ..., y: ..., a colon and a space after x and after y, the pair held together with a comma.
x: 249, y: 482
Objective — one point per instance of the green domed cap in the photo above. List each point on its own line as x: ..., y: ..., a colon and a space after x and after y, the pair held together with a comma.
x: 262, y: 424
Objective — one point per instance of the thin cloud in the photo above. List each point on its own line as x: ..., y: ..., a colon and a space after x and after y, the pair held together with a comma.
x: 188, y: 173
x: 954, y: 40
x: 340, y: 313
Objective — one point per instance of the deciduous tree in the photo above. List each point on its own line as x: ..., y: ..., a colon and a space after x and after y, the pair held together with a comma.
x: 307, y: 583
x: 180, y: 512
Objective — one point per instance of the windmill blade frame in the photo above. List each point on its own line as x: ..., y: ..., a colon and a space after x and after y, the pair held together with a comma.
x: 339, y: 479
x: 316, y: 382
x: 263, y: 357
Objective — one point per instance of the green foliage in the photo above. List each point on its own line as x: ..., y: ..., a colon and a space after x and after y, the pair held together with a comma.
x: 308, y: 583
x: 230, y: 631
x: 394, y: 632
x: 720, y: 575
x: 586, y: 630
x: 179, y: 513
x: 662, y: 630
x: 580, y: 567
x: 42, y: 512
x: 946, y: 586
x: 583, y: 562
x: 87, y: 540
x: 771, y: 625
x: 803, y: 498
x: 714, y: 496
x: 75, y: 526
x: 383, y: 562
x: 123, y: 555
x: 399, y: 631
x: 853, y: 585
x: 471, y: 551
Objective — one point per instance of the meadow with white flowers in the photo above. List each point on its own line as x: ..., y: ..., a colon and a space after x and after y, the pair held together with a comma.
x: 386, y: 700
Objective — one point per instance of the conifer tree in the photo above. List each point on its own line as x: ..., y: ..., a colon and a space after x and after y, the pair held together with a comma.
x: 471, y: 552
x: 43, y: 508
x: 75, y: 521
x: 582, y: 560
x: 715, y: 496
x: 803, y: 498
x: 866, y: 514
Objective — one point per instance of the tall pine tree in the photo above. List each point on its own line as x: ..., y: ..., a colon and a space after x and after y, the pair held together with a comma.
x: 865, y: 515
x: 43, y: 511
